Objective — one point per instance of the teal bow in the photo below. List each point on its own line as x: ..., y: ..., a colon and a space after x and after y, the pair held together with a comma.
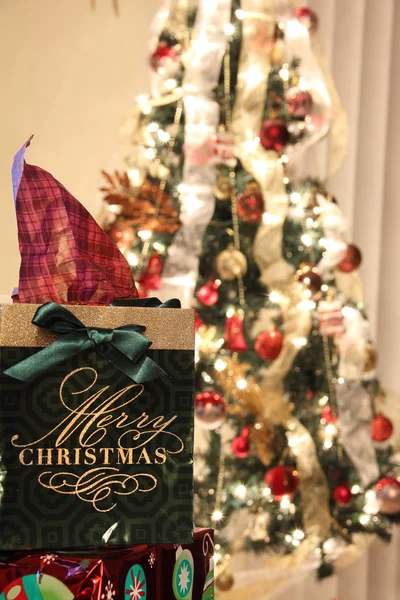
x: 125, y: 347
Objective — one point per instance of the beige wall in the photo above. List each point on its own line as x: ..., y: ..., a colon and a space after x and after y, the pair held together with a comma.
x: 68, y: 75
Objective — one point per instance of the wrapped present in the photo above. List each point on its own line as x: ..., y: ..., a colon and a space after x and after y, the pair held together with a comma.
x: 96, y: 418
x: 135, y: 573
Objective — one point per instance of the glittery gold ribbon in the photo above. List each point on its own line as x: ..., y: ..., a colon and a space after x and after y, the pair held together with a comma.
x: 266, y: 167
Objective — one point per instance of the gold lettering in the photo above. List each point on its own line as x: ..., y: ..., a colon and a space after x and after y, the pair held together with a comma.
x: 63, y: 456
x: 22, y: 457
x: 44, y: 459
x: 125, y: 456
x: 144, y: 455
x: 106, y: 452
x: 90, y: 456
x: 160, y: 453
x: 77, y: 457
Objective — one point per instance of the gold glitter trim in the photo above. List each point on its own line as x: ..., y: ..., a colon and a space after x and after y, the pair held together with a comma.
x: 167, y: 328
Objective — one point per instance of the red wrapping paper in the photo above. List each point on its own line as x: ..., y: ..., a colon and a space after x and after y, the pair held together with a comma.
x: 164, y: 572
x: 65, y: 255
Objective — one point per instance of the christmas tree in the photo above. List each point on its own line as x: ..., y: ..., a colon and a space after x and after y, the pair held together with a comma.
x: 219, y: 204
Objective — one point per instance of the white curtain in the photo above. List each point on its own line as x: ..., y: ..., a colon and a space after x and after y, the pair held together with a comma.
x: 363, y: 51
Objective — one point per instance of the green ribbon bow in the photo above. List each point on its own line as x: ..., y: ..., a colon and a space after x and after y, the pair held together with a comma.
x: 125, y: 347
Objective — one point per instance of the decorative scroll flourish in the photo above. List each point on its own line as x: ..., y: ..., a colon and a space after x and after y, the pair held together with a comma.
x: 97, y: 485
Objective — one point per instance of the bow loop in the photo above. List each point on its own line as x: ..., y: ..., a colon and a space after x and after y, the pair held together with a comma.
x: 56, y: 318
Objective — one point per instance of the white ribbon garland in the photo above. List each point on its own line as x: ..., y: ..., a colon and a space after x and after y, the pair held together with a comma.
x: 201, y: 122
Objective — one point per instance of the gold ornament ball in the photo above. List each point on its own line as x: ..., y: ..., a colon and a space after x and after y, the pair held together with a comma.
x: 231, y: 264
x: 371, y: 358
x: 223, y: 188
x: 308, y: 277
x: 224, y: 581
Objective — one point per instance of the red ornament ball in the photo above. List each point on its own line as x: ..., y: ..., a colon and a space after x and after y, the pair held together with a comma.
x: 198, y: 322
x: 150, y: 279
x: 307, y: 17
x: 250, y: 206
x: 274, y: 135
x: 351, y: 260
x: 241, y: 445
x: 342, y: 495
x: 326, y: 414
x: 164, y: 60
x: 381, y: 428
x: 208, y: 293
x: 269, y: 344
x: 282, y: 481
x: 299, y: 102
x: 388, y: 495
x: 209, y: 409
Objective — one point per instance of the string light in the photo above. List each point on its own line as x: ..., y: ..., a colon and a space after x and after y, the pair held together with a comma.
x: 135, y: 177
x: 306, y: 305
x: 323, y: 401
x: 295, y: 197
x: 241, y: 492
x: 240, y: 14
x: 306, y: 239
x: 145, y: 234
x: 153, y: 127
x: 295, y: 29
x: 241, y: 384
x: 159, y: 247
x: 371, y: 506
x: 170, y: 84
x: 355, y: 489
x: 230, y: 312
x: 114, y: 208
x: 364, y: 519
x: 298, y: 211
x: 253, y: 76
x: 132, y: 259
x: 206, y: 377
x: 299, y: 342
x: 144, y: 104
x: 220, y: 364
x: 229, y: 29
x: 150, y: 153
x: 217, y: 558
x: 284, y: 74
x: 217, y: 516
x: 275, y: 297
x: 163, y: 136
x: 330, y: 432
x: 298, y: 534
